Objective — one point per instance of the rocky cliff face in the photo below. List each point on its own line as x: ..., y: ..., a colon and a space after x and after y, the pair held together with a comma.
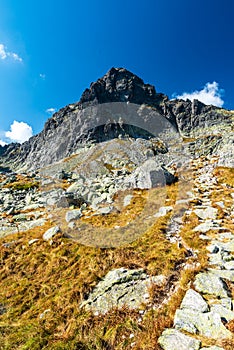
x: 83, y: 121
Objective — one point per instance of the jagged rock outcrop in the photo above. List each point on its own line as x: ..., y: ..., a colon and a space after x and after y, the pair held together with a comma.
x: 120, y: 93
x: 120, y: 85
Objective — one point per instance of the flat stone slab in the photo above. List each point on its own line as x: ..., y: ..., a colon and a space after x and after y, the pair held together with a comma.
x: 29, y: 225
x: 208, y: 213
x: 172, y: 339
x: 209, y: 283
x: 122, y: 287
x: 228, y: 247
x: 204, y: 227
x: 21, y: 227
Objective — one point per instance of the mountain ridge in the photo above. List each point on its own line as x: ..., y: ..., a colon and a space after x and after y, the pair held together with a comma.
x: 118, y: 85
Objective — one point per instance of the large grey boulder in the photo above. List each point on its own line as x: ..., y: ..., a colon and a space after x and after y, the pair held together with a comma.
x: 172, y: 339
x: 207, y: 324
x: 148, y: 175
x: 193, y: 300
x: 122, y: 287
x: 208, y: 283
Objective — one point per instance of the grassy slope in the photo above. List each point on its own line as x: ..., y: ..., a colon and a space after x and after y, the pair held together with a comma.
x: 57, y: 276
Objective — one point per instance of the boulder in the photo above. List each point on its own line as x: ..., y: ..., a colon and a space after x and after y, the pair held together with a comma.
x: 207, y: 324
x: 122, y: 287
x: 148, y: 175
x: 226, y: 274
x: 225, y: 314
x: 208, y: 283
x: 193, y: 300
x: 172, y: 339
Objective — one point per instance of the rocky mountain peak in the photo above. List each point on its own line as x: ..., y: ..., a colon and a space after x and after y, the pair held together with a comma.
x: 76, y: 123
x: 120, y: 85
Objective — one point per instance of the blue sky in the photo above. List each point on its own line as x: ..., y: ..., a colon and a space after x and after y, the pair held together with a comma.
x: 51, y: 50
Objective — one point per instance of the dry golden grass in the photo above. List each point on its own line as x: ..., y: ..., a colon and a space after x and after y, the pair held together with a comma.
x: 225, y: 175
x: 58, y: 276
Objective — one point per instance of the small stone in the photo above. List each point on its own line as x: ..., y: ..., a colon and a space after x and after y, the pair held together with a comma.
x: 204, y: 237
x: 208, y: 213
x: 204, y: 227
x: 42, y: 315
x: 212, y: 248
x: 74, y: 214
x: 104, y: 210
x: 229, y: 265
x: 33, y: 241
x: 223, y: 312
x: 71, y: 225
x: 51, y: 232
x: 163, y: 211
x: 220, y: 204
x: 127, y: 200
x: 75, y: 187
x: 229, y: 246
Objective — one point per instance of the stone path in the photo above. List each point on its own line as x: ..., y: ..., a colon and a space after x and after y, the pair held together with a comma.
x: 208, y: 307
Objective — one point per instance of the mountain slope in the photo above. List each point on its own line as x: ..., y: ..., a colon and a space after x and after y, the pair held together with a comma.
x: 112, y: 217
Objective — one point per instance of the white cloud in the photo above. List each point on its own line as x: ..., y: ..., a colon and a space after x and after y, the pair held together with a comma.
x: 2, y: 143
x: 51, y: 110
x: 42, y: 76
x: 4, y: 54
x: 211, y: 94
x: 20, y: 132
